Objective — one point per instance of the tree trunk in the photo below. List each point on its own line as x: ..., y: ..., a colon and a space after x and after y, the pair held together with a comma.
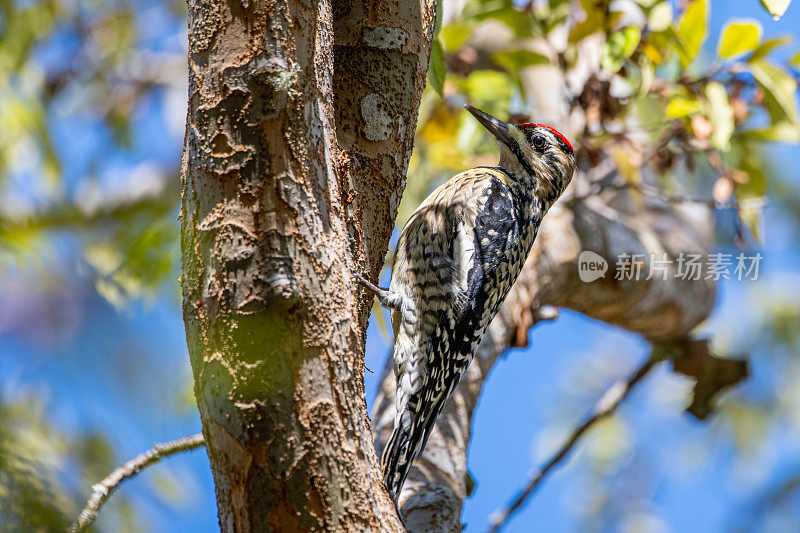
x: 284, y: 200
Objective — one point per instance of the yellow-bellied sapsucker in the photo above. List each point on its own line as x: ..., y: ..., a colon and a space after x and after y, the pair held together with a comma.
x: 456, y: 259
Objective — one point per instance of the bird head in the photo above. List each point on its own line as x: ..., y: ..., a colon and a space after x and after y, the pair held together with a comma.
x: 536, y: 154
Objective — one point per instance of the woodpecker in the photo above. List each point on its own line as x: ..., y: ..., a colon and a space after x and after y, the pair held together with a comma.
x: 456, y: 260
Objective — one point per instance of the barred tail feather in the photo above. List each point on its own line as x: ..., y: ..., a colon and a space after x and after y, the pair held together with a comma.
x: 395, y: 466
x: 407, y: 442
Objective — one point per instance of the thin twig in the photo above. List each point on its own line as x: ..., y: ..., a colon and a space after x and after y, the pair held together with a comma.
x: 102, y: 490
x: 605, y: 406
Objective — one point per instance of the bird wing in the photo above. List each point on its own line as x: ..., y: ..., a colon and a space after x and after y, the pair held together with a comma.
x: 448, y: 256
x: 481, y: 248
x: 479, y: 243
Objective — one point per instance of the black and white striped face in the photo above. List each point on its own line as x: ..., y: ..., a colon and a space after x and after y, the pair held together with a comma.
x: 534, y: 151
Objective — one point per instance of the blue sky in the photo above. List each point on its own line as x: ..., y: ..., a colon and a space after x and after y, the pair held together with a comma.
x: 117, y: 370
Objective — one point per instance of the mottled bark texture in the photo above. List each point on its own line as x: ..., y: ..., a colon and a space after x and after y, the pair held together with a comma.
x: 610, y: 224
x: 380, y: 66
x: 278, y: 190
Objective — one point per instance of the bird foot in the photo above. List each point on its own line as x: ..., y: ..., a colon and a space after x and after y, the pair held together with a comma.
x: 388, y: 299
x: 394, y: 302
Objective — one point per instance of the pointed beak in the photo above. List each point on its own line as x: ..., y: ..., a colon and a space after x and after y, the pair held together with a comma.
x: 499, y: 129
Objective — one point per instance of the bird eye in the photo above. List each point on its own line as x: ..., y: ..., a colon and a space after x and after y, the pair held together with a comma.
x: 539, y: 142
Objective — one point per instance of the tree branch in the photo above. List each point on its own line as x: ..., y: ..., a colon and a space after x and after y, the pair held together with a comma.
x: 69, y: 215
x: 101, y: 491
x: 655, y: 192
x: 604, y: 407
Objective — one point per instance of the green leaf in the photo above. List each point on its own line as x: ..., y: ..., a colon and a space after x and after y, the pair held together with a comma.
x: 595, y: 21
x: 776, y: 8
x: 514, y: 60
x: 490, y: 89
x: 454, y: 36
x: 752, y: 164
x: 721, y: 115
x: 677, y: 45
x: 618, y: 47
x: 779, y: 88
x: 752, y: 219
x: 436, y: 68
x: 739, y: 38
x: 660, y: 17
x: 767, y: 46
x: 520, y: 23
x: 680, y: 106
x: 648, y: 71
x: 692, y: 29
x: 592, y: 24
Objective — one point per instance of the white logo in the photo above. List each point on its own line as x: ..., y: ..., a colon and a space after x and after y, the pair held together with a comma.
x: 591, y: 266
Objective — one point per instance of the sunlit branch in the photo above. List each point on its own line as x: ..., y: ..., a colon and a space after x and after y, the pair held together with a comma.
x: 101, y: 491
x: 604, y: 407
x: 71, y: 215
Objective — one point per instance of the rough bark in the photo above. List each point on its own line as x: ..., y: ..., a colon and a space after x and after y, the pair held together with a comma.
x: 272, y: 216
x: 381, y: 50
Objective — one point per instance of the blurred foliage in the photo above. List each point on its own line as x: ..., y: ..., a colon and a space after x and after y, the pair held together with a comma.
x: 78, y: 184
x: 84, y: 189
x: 624, y: 465
x: 33, y: 454
x: 653, y: 77
x: 30, y: 497
x: 76, y: 65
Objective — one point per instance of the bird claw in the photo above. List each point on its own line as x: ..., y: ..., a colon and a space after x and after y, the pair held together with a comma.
x: 393, y: 301
x: 387, y: 299
x: 368, y: 284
